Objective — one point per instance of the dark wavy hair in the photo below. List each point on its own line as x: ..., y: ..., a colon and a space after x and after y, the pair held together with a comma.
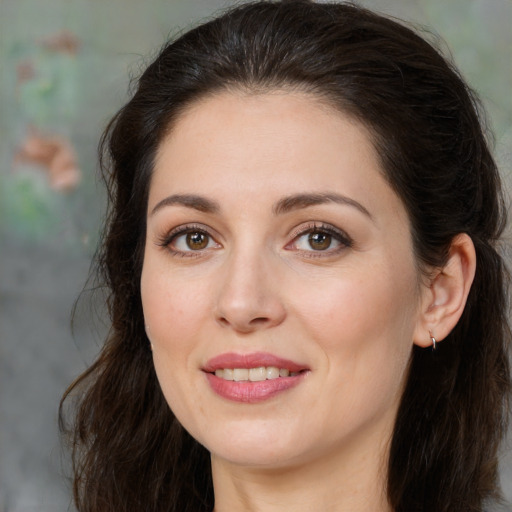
x: 129, y: 451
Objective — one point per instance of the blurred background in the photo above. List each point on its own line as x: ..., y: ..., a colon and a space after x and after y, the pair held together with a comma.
x: 64, y: 71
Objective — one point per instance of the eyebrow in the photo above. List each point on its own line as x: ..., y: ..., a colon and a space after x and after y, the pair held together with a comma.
x: 298, y: 201
x: 195, y: 202
x: 285, y: 205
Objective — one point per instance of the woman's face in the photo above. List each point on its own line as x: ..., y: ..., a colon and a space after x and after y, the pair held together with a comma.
x: 278, y: 255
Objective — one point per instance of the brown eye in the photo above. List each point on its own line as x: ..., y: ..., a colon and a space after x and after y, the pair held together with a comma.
x: 189, y: 241
x: 319, y: 241
x: 196, y: 240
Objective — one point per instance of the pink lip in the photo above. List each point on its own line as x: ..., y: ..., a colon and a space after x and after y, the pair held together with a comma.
x: 246, y: 391
x: 254, y: 360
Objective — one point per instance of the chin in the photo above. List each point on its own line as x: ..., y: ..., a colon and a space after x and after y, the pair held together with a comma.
x: 268, y: 458
x: 252, y: 446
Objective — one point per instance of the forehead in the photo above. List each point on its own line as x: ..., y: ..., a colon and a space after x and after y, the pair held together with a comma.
x: 277, y: 109
x: 264, y: 146
x: 250, y: 129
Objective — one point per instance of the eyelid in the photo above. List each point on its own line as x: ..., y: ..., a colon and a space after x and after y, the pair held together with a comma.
x: 167, y: 238
x: 341, y: 236
x: 345, y: 241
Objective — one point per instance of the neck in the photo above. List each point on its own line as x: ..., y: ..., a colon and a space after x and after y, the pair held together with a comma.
x: 350, y: 481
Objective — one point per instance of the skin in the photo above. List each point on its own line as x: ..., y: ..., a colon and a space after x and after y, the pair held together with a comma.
x: 349, y: 313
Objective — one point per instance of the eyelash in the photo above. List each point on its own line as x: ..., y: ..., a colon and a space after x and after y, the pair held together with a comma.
x: 167, y: 240
x: 338, y: 235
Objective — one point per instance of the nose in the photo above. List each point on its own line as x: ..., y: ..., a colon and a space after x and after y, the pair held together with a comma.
x: 249, y: 297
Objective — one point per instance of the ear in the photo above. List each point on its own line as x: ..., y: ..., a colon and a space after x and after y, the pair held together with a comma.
x: 444, y: 297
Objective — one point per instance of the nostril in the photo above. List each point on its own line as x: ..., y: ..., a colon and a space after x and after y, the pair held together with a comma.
x: 258, y: 321
x: 244, y: 325
x: 223, y: 321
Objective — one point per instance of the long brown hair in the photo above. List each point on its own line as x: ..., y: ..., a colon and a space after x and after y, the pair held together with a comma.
x: 129, y: 451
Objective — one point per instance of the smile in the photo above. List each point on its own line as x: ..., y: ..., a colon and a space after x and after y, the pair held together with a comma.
x: 254, y: 374
x: 252, y: 378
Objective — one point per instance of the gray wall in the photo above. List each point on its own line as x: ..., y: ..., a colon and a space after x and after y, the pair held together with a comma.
x: 67, y: 86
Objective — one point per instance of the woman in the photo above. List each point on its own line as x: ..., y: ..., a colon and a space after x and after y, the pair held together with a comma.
x: 308, y: 306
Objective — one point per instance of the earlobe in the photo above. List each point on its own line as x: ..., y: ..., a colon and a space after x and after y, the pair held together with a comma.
x: 444, y: 300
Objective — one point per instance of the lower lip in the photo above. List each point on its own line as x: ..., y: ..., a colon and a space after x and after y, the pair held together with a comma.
x: 252, y: 392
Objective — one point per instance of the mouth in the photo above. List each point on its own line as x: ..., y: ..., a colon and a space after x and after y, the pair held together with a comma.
x: 257, y: 374
x: 252, y: 378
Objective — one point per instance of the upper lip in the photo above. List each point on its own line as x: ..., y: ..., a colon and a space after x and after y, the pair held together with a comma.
x: 253, y: 360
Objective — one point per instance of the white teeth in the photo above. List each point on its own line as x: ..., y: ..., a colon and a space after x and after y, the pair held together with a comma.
x: 240, y: 374
x: 257, y: 374
x: 254, y: 374
x: 272, y: 372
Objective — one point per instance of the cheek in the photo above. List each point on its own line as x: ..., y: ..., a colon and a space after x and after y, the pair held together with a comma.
x: 173, y: 315
x: 173, y: 310
x: 377, y: 303
x: 364, y: 325
x: 364, y: 329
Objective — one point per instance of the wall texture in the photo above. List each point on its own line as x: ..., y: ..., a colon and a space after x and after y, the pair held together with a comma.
x: 64, y: 68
